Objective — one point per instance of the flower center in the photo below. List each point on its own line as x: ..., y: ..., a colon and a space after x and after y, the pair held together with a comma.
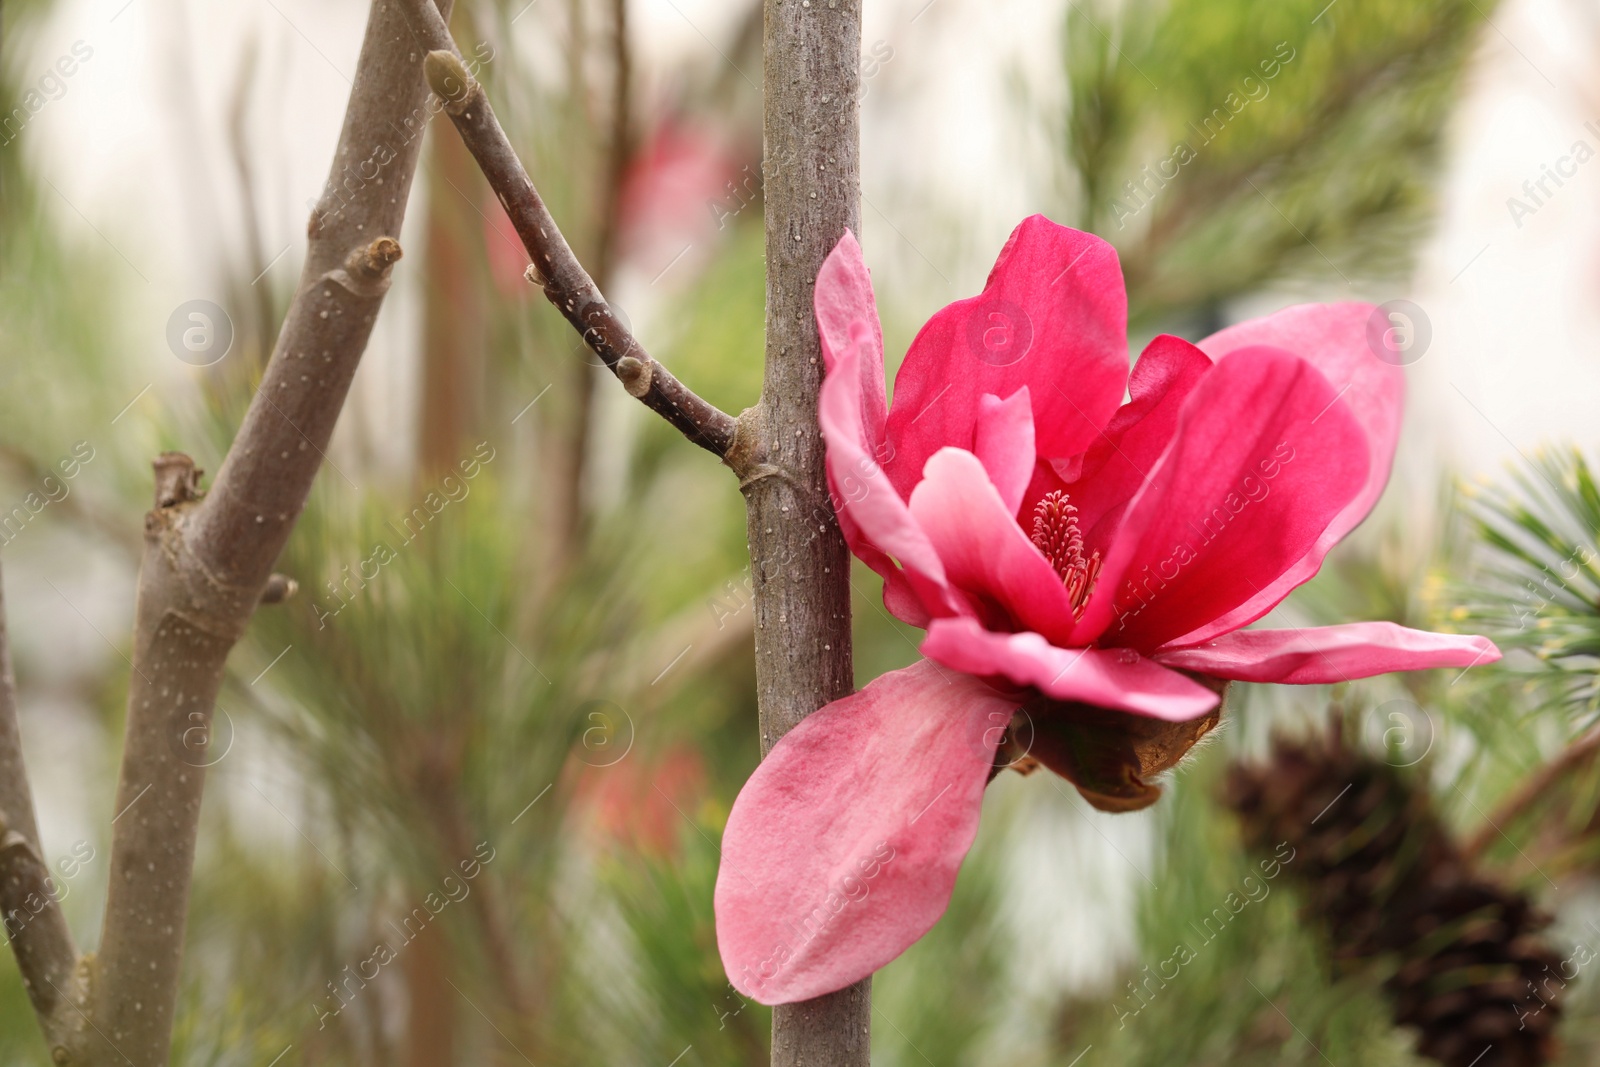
x: 1056, y: 534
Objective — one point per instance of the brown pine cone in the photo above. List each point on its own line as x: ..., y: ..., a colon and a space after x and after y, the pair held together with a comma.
x: 1382, y: 876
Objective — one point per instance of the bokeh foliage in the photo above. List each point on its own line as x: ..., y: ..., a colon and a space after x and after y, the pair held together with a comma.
x: 1223, y: 147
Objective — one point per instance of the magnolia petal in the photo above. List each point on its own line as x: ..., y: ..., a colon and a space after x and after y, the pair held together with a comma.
x: 843, y: 847
x: 1265, y: 455
x: 1052, y: 317
x: 1328, y: 654
x: 872, y: 515
x: 1338, y: 340
x: 1107, y: 678
x: 983, y: 549
x: 1121, y: 460
x: 1003, y: 442
x: 843, y: 300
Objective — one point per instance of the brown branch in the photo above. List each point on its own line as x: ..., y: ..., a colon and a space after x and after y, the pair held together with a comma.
x: 207, y: 561
x: 811, y: 81
x: 38, y: 932
x: 555, y: 269
x: 1534, y: 787
x: 34, y: 923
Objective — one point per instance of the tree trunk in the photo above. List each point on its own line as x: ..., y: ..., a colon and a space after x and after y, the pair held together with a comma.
x: 431, y: 1001
x: 799, y: 561
x: 450, y: 400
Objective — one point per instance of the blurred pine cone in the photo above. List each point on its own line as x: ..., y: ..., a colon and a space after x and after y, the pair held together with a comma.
x: 1384, y: 878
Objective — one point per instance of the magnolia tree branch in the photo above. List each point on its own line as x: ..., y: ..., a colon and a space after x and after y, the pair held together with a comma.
x: 34, y: 923
x: 555, y: 268
x: 208, y: 560
x: 811, y: 56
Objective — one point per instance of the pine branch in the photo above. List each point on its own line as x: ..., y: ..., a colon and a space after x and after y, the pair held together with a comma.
x: 34, y: 923
x: 1532, y: 789
x: 208, y: 561
x: 555, y: 268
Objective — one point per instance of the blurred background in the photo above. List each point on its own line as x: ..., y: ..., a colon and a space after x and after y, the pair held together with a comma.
x: 499, y: 729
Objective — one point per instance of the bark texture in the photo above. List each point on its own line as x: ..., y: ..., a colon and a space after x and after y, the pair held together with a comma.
x: 801, y: 567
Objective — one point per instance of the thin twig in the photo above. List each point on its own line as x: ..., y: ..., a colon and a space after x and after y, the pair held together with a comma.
x: 37, y: 929
x: 34, y: 923
x: 1532, y: 789
x: 555, y: 268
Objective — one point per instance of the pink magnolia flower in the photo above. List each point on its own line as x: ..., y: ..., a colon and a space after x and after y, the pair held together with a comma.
x: 1088, y: 561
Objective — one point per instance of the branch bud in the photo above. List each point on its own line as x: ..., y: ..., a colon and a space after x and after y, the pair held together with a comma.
x: 635, y: 375
x: 375, y: 259
x: 279, y: 587
x: 177, y: 479
x: 448, y: 78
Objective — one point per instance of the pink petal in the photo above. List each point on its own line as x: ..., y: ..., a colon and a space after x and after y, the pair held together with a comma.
x: 843, y: 299
x: 1119, y: 679
x: 843, y: 846
x: 872, y: 515
x: 1328, y: 654
x: 1119, y: 462
x: 1266, y: 454
x: 1052, y: 317
x: 1003, y: 441
x: 1333, y: 337
x: 984, y: 551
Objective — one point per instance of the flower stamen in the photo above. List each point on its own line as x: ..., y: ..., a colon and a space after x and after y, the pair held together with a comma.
x: 1056, y: 533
